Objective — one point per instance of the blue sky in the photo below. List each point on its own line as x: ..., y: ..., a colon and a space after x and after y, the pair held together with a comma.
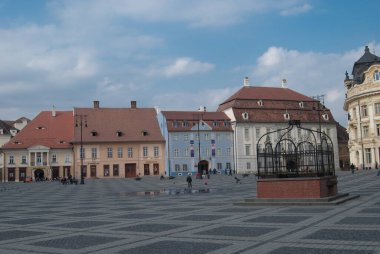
x: 177, y: 55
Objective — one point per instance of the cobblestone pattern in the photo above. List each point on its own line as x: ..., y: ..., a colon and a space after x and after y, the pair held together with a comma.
x: 162, y: 216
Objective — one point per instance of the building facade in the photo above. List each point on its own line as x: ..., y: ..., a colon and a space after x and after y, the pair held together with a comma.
x: 255, y: 110
x: 363, y: 106
x: 117, y: 142
x: 197, y: 142
x: 42, y: 149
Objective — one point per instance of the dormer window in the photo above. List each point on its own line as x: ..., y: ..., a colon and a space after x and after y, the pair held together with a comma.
x: 175, y: 124
x: 301, y: 104
x: 376, y: 75
x: 17, y: 142
x: 260, y: 103
x: 215, y: 124
x: 94, y: 133
x: 245, y: 116
x: 185, y: 124
x: 119, y: 133
x: 325, y: 117
x: 286, y: 116
x: 144, y: 133
x: 40, y: 128
x: 61, y: 142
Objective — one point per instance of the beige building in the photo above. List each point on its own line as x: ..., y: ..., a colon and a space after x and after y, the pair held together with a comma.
x: 363, y: 106
x: 117, y: 142
x: 40, y: 150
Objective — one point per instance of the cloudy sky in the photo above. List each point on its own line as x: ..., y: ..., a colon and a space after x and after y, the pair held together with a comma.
x: 175, y: 54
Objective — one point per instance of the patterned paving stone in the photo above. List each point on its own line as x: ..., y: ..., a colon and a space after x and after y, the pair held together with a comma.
x: 360, y: 220
x: 238, y: 231
x: 138, y: 216
x: 84, y: 214
x: 179, y: 209
x: 201, y: 217
x: 300, y: 250
x: 371, y: 210
x: 278, y: 219
x: 82, y: 224
x: 238, y: 210
x: 175, y: 247
x: 153, y: 228
x: 27, y: 221
x: 75, y: 242
x: 14, y: 234
x: 306, y: 210
x: 346, y: 235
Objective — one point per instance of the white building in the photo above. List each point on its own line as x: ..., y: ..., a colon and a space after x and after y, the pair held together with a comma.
x: 255, y: 110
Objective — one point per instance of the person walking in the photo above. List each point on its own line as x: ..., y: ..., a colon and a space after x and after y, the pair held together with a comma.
x: 189, y: 181
x: 352, y: 168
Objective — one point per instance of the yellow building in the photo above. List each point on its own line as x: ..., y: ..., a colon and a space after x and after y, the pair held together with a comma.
x: 117, y: 142
x: 363, y: 106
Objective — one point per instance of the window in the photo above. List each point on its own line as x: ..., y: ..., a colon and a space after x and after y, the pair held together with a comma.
x: 207, y: 152
x: 301, y: 104
x: 82, y: 153
x: 207, y: 136
x: 228, y: 165
x: 328, y: 131
x: 353, y: 115
x: 187, y: 151
x: 376, y: 75
x: 197, y: 136
x: 245, y: 116
x: 176, y: 152
x: 365, y: 131
x: 247, y: 150
x: 186, y: 137
x: 130, y: 152
x: 67, y: 158
x: 218, y: 152
x: 145, y: 151
x: 23, y: 159
x: 11, y: 159
x: 177, y: 167
x: 260, y: 103
x: 299, y: 133
x: 217, y: 136
x: 175, y: 124
x: 368, y: 158
x: 363, y: 110
x: 175, y: 137
x: 54, y: 158
x: 248, y: 165
x: 228, y: 151
x: 156, y: 151
x: 106, y: 170
x: 257, y: 133
x: 378, y: 129
x: 109, y: 152
x: 185, y: 124
x: 216, y: 124
x: 246, y: 134
x: 119, y: 152
x: 39, y: 159
x: 377, y: 108
x: 94, y: 153
x: 219, y: 166
x: 115, y: 170
x: 184, y: 167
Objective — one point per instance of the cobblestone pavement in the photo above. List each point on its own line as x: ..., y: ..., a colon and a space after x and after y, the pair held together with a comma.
x: 162, y: 216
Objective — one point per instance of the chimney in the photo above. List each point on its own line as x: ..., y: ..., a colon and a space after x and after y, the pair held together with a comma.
x: 53, y: 113
x: 246, y: 81
x: 96, y: 104
x: 284, y: 83
x: 133, y: 104
x: 202, y: 109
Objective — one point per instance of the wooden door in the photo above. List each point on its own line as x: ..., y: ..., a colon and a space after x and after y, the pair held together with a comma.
x: 11, y: 175
x: 156, y: 169
x: 130, y: 170
x: 54, y: 172
x: 146, y: 169
x: 22, y: 174
x: 93, y: 170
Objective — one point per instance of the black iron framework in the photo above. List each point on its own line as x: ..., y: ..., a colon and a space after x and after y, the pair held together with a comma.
x: 309, y: 156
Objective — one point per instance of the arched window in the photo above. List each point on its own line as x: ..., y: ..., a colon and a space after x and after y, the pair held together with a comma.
x: 245, y: 116
x: 376, y: 75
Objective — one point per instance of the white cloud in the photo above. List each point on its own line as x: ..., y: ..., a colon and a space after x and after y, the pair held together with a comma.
x: 187, y: 66
x: 295, y: 10
x: 310, y: 73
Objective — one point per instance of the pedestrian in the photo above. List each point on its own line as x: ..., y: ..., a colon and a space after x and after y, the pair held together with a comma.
x: 352, y: 168
x: 189, y: 181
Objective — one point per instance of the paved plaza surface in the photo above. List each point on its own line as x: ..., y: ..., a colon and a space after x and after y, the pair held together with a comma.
x: 162, y: 216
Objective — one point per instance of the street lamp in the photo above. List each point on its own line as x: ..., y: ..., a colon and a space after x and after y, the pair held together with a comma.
x: 81, y: 120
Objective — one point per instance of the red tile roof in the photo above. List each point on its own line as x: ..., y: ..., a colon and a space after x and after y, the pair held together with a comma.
x: 192, y: 118
x: 269, y: 104
x: 45, y: 130
x: 106, y: 122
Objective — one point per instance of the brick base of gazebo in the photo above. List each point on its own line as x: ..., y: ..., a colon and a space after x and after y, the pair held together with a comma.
x: 314, y: 187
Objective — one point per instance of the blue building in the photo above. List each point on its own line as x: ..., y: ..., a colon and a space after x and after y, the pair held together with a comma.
x: 197, y: 142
